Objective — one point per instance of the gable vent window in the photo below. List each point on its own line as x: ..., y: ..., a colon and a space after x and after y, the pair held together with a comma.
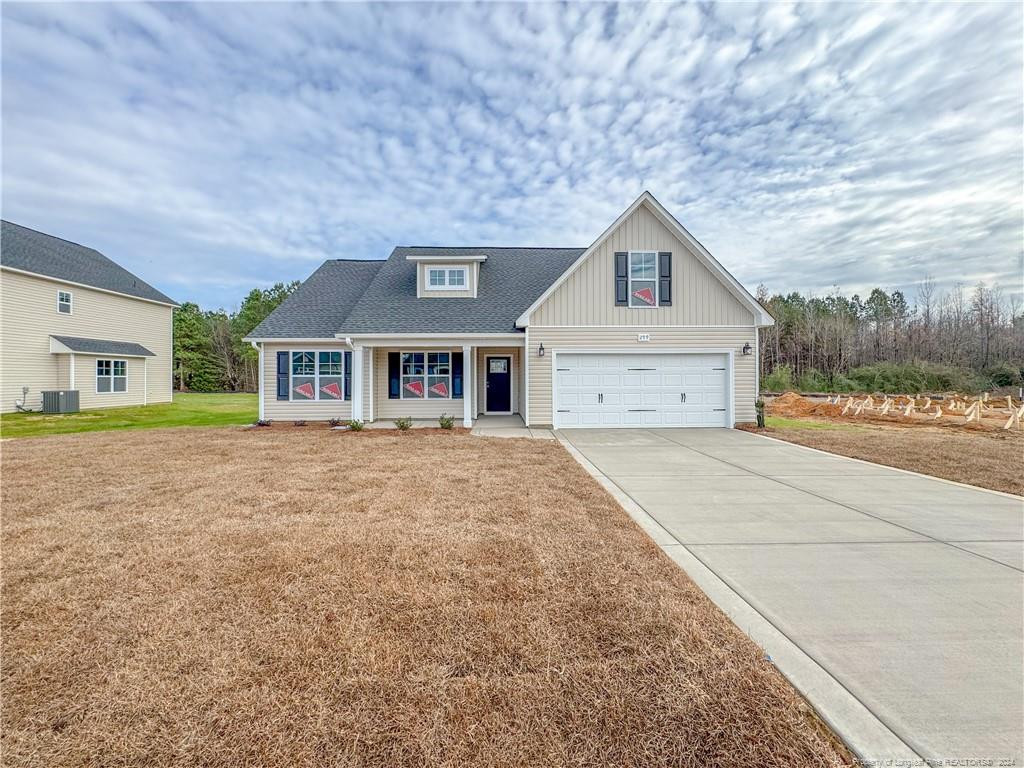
x: 643, y: 279
x: 446, y: 279
x: 64, y: 302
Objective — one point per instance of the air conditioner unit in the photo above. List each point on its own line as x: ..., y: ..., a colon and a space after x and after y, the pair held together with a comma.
x: 60, y: 401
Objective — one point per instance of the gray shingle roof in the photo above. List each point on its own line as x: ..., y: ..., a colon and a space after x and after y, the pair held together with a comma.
x: 318, y: 307
x: 103, y: 347
x: 42, y: 254
x: 510, y: 280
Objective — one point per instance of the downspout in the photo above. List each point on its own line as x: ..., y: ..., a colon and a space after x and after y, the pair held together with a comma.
x: 258, y: 346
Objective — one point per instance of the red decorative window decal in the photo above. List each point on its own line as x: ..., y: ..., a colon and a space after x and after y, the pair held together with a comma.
x: 306, y: 390
x: 332, y: 389
x: 645, y: 295
x: 416, y: 387
x: 440, y: 389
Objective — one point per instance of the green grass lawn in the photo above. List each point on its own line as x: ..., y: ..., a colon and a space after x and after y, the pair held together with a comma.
x: 187, y: 410
x: 781, y: 422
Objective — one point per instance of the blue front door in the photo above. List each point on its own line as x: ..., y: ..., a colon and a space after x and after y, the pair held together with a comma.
x: 499, y: 384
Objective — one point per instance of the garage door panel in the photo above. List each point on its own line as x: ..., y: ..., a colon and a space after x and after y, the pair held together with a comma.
x: 643, y: 390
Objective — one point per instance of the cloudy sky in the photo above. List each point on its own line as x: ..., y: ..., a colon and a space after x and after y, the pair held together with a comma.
x: 217, y: 147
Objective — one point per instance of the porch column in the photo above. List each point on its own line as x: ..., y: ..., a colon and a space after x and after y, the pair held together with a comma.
x: 468, y: 386
x: 71, y: 371
x: 357, y: 382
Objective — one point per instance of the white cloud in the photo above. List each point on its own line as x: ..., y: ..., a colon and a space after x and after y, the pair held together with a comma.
x: 805, y: 145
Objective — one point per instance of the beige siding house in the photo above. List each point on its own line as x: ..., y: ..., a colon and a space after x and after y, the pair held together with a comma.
x: 74, y: 320
x: 643, y: 328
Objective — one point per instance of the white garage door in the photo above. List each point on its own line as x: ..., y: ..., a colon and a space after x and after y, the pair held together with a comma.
x: 641, y: 390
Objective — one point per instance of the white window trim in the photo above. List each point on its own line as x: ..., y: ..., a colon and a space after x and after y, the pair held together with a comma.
x: 629, y: 279
x: 426, y: 375
x: 316, y: 376
x: 70, y: 302
x: 97, y: 377
x: 448, y: 268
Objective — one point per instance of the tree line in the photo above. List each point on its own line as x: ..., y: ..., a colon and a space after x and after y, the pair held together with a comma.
x: 940, y: 340
x: 209, y: 354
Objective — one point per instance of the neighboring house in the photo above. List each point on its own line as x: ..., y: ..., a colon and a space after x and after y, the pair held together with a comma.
x: 73, y: 319
x: 642, y: 329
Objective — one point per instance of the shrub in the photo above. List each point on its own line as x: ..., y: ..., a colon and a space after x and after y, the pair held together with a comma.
x: 335, y: 421
x: 778, y: 380
x: 299, y: 423
x: 914, y: 377
x: 264, y: 422
x: 446, y: 421
x: 812, y: 380
x: 403, y: 423
x: 356, y: 425
x: 1004, y: 374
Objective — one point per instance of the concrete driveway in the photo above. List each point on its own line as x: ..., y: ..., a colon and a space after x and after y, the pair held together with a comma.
x: 906, y: 590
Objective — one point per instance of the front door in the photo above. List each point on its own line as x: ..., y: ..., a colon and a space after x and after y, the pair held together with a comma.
x: 499, y: 384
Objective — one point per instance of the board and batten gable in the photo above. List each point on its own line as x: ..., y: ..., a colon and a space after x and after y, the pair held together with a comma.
x: 587, y: 296
x: 30, y: 317
x: 580, y: 314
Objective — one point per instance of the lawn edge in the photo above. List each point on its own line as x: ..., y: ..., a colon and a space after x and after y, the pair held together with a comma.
x: 1006, y: 494
x: 852, y: 722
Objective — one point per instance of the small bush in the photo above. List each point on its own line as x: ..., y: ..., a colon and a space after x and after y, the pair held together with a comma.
x: 778, y: 380
x: 812, y: 380
x: 299, y: 423
x: 446, y: 421
x: 356, y: 425
x: 403, y: 423
x: 1004, y: 374
x: 264, y: 422
x: 335, y: 421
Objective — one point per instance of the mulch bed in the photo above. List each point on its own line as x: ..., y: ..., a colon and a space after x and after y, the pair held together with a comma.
x: 280, y: 596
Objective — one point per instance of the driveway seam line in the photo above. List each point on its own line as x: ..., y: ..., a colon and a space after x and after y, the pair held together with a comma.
x: 848, y: 506
x: 732, y: 588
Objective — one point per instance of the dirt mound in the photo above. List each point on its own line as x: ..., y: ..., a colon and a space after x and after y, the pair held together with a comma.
x: 793, y: 405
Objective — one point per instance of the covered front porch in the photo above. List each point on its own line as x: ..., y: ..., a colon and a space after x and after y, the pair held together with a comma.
x: 423, y: 378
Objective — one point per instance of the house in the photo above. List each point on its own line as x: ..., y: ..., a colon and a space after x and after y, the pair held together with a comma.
x: 75, y: 320
x: 642, y: 329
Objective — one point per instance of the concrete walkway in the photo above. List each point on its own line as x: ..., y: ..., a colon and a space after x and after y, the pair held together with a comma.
x: 891, y: 600
x: 508, y: 426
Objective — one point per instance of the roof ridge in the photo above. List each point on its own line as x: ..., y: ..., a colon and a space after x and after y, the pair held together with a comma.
x: 499, y: 247
x: 56, y: 237
x: 358, y: 260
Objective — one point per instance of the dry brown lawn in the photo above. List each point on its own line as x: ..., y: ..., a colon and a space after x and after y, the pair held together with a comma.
x: 983, y: 457
x: 268, y: 597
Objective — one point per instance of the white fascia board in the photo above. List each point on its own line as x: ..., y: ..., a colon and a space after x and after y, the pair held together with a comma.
x: 53, y: 279
x: 761, y: 317
x: 447, y: 259
x: 292, y: 340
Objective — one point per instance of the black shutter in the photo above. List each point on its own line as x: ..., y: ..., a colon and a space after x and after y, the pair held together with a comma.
x: 621, y: 279
x: 394, y: 376
x: 282, y: 375
x: 348, y: 375
x: 665, y: 278
x: 456, y: 375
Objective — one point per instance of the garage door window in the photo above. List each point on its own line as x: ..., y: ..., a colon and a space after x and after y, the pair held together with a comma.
x: 643, y: 279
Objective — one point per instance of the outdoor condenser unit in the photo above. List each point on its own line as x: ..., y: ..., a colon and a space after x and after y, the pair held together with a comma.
x: 60, y: 401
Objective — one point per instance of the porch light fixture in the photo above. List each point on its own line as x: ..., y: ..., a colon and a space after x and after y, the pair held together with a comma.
x: 540, y: 350
x: 747, y: 349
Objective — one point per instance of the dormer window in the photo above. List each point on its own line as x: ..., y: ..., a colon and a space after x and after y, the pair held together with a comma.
x: 446, y: 279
